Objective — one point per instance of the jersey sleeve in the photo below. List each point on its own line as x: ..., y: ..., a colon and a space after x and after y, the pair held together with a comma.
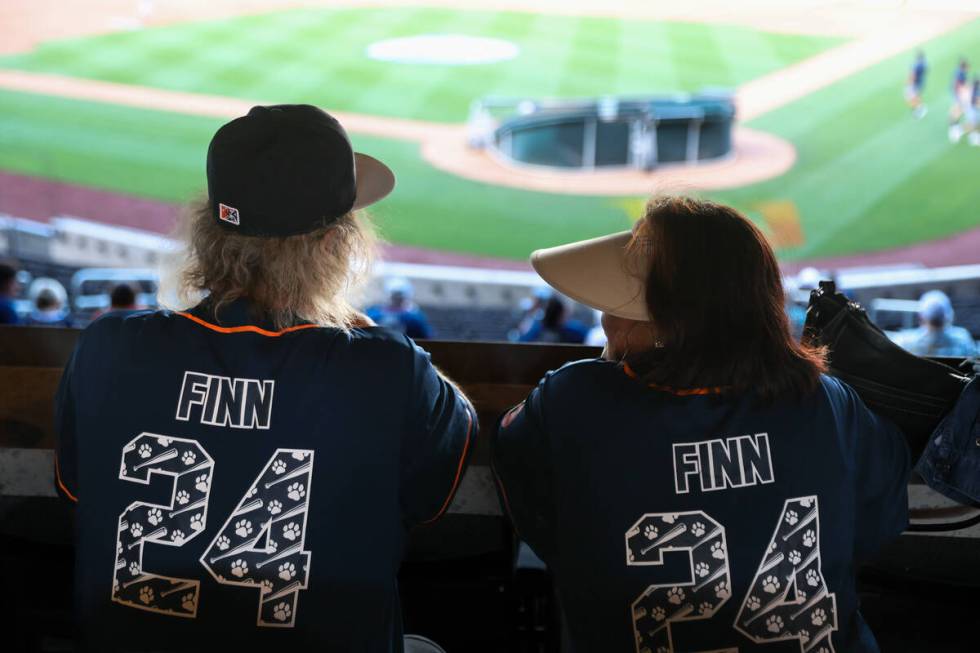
x: 65, y: 462
x: 522, y: 469
x: 441, y: 429
x: 880, y: 463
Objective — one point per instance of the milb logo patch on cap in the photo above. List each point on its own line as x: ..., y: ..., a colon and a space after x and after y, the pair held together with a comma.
x: 228, y: 214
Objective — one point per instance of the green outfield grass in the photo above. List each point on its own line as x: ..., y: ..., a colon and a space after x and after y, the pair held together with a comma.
x: 318, y: 56
x: 868, y: 175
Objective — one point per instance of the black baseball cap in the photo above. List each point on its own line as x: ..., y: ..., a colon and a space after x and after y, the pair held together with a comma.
x: 289, y: 169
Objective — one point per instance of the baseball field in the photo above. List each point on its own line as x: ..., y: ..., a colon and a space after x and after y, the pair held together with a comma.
x: 866, y: 177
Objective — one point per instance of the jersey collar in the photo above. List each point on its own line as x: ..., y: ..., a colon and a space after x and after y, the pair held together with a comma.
x: 237, y: 317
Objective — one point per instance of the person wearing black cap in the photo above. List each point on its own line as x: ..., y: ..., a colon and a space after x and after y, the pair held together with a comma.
x: 244, y: 472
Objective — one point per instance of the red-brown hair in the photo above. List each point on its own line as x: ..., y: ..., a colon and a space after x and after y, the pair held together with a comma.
x: 716, y: 299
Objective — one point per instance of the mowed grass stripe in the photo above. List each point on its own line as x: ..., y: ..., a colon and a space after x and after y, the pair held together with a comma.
x: 319, y: 56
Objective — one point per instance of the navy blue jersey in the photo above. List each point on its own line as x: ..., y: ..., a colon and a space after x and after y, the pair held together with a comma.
x: 247, y: 487
x: 919, y: 72
x: 696, y: 521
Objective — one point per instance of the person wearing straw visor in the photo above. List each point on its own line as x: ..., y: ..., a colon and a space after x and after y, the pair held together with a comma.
x: 704, y: 485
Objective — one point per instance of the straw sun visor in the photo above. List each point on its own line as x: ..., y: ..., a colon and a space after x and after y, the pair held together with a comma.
x: 598, y: 273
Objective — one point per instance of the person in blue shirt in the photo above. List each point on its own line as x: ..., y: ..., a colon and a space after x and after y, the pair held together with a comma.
x: 552, y: 324
x: 916, y: 82
x: 961, y: 91
x: 245, y: 472
x: 936, y: 335
x: 704, y: 486
x: 401, y: 314
x: 9, y: 287
x: 50, y: 299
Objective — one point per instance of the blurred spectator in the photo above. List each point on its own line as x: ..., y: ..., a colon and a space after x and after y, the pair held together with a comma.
x: 49, y: 298
x: 123, y: 298
x: 554, y: 325
x: 597, y: 335
x: 9, y: 288
x: 401, y: 313
x: 795, y: 306
x: 936, y: 336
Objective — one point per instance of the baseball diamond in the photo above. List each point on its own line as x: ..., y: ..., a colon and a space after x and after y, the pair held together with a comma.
x: 825, y: 92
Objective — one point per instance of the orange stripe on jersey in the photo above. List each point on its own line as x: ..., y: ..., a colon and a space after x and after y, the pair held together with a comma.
x: 680, y: 392
x: 459, y: 469
x: 248, y: 328
x: 57, y: 477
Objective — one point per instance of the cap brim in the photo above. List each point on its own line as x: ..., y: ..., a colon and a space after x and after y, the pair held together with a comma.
x: 375, y: 180
x: 597, y: 273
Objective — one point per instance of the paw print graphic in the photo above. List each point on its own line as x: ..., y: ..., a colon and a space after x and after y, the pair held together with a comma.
x: 651, y: 532
x: 806, y: 502
x: 134, y: 569
x: 122, y: 469
x: 702, y: 569
x: 296, y: 491
x: 197, y: 522
x: 669, y: 519
x: 154, y: 516
x: 282, y: 611
x: 223, y: 543
x: 717, y: 551
x: 188, y: 458
x: 792, y: 517
x: 722, y: 591
x: 274, y: 507
x: 243, y: 528
x: 771, y: 547
x: 299, y: 455
x: 201, y: 483
x: 706, y: 608
x: 753, y: 603
x: 812, y: 577
x: 279, y: 466
x: 675, y: 595
x: 183, y: 497
x: 145, y: 450
x: 239, y: 568
x: 287, y: 571
x: 823, y: 649
x: 164, y: 442
x: 290, y: 531
x: 658, y: 613
x: 146, y: 595
x: 770, y: 584
x: 774, y: 623
x: 800, y: 596
x: 252, y: 492
x: 818, y: 617
x: 118, y: 548
x: 136, y: 529
x: 266, y: 586
x: 804, y: 635
x: 115, y: 586
x: 272, y: 545
x: 178, y: 536
x: 188, y: 602
x: 794, y: 557
x: 697, y: 528
x: 809, y: 538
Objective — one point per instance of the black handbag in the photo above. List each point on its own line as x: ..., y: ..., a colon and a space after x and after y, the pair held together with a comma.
x: 914, y: 392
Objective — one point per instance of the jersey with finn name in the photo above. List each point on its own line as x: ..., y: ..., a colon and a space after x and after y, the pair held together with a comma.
x: 245, y: 486
x: 698, y: 520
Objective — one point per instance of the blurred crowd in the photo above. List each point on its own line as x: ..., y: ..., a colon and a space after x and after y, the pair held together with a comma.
x: 544, y: 316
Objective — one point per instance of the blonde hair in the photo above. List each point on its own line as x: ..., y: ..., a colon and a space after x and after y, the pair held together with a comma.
x: 306, y: 278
